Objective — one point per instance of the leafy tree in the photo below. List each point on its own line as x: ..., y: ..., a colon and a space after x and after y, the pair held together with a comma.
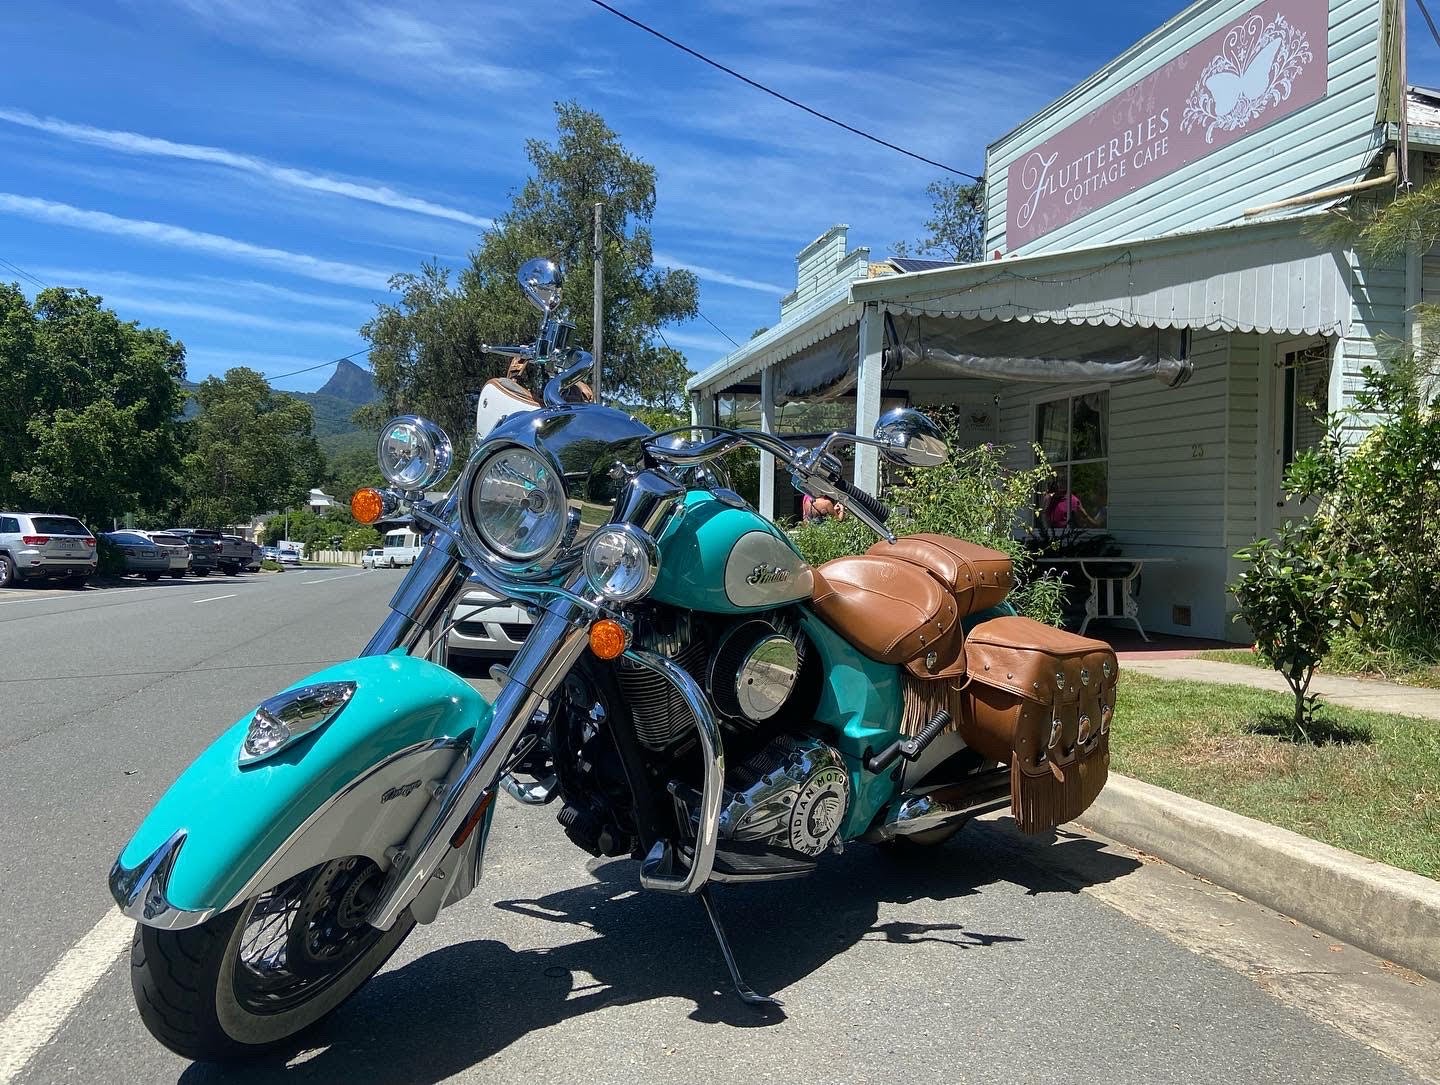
x: 955, y: 229
x: 1298, y: 595
x: 253, y: 449
x: 425, y: 344
x: 351, y: 470
x: 361, y: 538
x: 89, y: 407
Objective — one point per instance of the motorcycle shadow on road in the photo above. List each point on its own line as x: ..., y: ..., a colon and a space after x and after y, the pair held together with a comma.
x: 456, y: 1006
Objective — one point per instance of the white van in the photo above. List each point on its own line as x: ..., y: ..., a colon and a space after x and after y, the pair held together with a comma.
x: 401, y: 548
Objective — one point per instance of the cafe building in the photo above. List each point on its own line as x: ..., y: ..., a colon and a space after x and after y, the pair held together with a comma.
x: 1160, y: 309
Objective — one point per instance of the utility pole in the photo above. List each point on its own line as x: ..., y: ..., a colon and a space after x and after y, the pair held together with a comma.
x: 598, y: 346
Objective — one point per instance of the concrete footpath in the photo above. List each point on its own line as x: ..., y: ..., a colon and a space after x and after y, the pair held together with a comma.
x: 1351, y: 692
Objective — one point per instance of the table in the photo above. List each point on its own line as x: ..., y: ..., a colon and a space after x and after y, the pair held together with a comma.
x: 1111, y: 595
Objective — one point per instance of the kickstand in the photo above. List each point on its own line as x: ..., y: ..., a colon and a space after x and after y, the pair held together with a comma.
x: 741, y: 987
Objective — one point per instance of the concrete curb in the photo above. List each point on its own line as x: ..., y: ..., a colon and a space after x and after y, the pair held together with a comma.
x: 1389, y: 912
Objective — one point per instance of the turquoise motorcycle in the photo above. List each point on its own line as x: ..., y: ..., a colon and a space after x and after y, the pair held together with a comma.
x: 691, y: 694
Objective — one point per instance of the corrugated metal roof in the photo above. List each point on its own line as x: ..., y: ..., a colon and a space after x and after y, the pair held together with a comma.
x: 1255, y: 277
x: 822, y: 316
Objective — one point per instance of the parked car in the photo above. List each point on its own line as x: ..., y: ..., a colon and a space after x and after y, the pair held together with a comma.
x: 38, y: 545
x: 176, y: 549
x: 237, y: 554
x: 288, y: 556
x: 373, y: 558
x: 486, y: 627
x: 138, y: 554
x: 270, y: 553
x: 204, y: 548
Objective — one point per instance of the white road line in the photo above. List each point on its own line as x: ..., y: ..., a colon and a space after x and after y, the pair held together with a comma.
x: 31, y: 1025
x: 213, y: 598
x: 327, y: 579
x: 68, y: 595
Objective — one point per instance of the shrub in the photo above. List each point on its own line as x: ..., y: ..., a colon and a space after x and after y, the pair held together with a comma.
x: 1378, y: 501
x: 1297, y: 597
x: 975, y: 495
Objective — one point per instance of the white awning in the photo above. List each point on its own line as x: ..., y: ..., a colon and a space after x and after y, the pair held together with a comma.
x: 1254, y: 277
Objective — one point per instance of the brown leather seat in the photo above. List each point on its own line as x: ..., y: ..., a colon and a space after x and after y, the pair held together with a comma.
x: 976, y: 575
x: 890, y: 609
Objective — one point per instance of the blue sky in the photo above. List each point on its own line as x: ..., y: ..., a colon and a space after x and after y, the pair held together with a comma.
x: 248, y: 173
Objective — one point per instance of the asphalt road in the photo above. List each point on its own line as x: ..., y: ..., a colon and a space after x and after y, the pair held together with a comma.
x: 992, y: 959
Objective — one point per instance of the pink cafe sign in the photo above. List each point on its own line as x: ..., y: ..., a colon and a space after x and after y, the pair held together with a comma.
x: 1256, y: 69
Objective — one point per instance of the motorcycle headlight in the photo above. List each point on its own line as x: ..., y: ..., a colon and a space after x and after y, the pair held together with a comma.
x: 515, y: 503
x: 621, y: 562
x: 414, y: 452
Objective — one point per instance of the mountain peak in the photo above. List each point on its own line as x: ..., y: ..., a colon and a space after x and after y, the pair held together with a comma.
x: 351, y: 383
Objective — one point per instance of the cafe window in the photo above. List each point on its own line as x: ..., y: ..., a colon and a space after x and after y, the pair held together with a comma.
x: 1306, y: 400
x: 1074, y: 433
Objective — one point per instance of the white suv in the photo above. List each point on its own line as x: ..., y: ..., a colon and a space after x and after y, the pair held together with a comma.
x: 37, y: 545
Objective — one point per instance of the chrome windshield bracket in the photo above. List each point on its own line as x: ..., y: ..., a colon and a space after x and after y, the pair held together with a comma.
x: 662, y: 866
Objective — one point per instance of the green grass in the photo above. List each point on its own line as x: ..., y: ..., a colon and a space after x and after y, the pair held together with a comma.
x: 1370, y: 785
x: 1418, y: 675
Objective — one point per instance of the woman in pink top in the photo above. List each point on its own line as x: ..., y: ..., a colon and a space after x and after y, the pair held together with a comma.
x: 1064, y: 509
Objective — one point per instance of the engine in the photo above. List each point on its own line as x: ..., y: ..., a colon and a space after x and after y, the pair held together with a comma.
x: 785, y: 790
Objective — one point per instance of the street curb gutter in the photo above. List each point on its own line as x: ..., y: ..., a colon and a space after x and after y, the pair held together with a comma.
x: 1389, y: 912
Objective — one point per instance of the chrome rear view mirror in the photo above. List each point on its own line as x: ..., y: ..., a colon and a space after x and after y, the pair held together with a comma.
x: 908, y: 438
x: 541, y: 279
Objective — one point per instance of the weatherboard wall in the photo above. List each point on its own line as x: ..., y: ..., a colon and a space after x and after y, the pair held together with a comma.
x: 1170, y: 456
x: 1328, y: 142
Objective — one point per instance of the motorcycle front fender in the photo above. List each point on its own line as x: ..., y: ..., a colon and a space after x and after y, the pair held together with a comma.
x: 225, y: 832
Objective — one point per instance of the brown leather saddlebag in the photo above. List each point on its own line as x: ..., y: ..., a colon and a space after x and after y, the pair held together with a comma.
x: 1042, y: 699
x: 1038, y: 698
x: 977, y: 576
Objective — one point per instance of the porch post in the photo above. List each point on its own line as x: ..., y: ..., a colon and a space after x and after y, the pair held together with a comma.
x: 867, y: 396
x: 702, y: 407
x: 767, y: 459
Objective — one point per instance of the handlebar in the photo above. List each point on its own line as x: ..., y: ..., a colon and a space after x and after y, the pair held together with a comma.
x: 816, y: 472
x: 857, y: 498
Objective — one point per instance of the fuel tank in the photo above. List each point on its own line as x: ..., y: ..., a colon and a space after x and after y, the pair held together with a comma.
x: 726, y: 560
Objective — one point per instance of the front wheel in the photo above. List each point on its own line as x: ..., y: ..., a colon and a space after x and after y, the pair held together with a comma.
x: 254, y: 977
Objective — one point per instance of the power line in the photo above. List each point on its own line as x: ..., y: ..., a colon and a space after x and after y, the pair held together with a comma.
x: 776, y: 94
x: 1434, y: 33
x: 25, y: 274
x: 321, y: 365
x: 717, y: 327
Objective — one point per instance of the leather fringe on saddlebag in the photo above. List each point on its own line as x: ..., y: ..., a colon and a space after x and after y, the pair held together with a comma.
x: 1038, y: 698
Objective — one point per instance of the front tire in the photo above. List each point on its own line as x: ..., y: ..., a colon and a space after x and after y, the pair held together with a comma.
x: 251, y: 979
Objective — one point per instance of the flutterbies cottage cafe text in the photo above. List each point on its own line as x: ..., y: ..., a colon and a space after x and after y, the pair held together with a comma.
x: 1256, y: 69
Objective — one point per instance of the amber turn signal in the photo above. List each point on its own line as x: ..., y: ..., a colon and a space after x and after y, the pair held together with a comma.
x: 367, y: 505
x: 608, y: 639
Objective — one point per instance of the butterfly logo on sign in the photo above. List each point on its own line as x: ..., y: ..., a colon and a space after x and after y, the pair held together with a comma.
x: 1255, y: 69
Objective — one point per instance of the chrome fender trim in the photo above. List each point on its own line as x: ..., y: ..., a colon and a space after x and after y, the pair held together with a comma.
x: 140, y: 891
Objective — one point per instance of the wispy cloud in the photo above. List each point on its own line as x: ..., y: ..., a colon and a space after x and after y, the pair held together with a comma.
x: 710, y: 274
x: 699, y: 343
x: 135, y: 143
x: 101, y: 282
x: 219, y: 314
x: 160, y: 233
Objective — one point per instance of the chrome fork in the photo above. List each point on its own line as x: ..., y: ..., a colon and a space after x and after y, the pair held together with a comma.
x: 550, y: 650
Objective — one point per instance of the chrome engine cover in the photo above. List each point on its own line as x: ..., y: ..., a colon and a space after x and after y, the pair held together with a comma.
x: 792, y: 794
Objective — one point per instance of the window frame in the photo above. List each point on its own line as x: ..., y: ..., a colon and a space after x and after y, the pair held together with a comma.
x: 1068, y: 397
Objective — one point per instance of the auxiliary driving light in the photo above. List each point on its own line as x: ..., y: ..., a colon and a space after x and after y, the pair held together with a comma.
x: 414, y: 452
x: 621, y: 562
